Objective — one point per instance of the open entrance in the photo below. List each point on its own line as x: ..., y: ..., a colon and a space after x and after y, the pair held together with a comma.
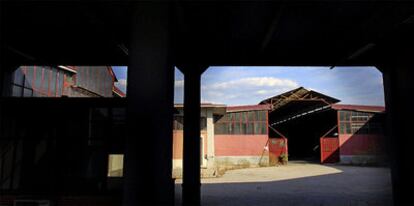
x: 303, y: 117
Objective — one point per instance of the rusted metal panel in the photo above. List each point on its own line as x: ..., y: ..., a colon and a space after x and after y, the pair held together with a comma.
x: 277, y: 148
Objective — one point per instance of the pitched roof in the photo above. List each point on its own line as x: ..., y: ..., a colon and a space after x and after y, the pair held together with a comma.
x: 298, y: 94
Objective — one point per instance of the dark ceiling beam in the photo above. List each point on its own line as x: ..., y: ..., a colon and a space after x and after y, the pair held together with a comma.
x: 192, y: 69
x: 74, y: 34
x: 272, y: 31
x: 96, y: 20
x: 22, y: 54
x: 358, y: 52
x: 211, y: 47
x: 180, y: 28
x: 377, y: 33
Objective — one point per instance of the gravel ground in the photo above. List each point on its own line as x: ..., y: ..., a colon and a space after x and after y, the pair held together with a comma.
x: 298, y: 183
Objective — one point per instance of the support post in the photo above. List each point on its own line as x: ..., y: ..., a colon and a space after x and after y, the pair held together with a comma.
x: 2, y: 63
x: 398, y: 85
x: 398, y: 75
x: 191, y: 162
x: 210, y: 139
x: 148, y: 152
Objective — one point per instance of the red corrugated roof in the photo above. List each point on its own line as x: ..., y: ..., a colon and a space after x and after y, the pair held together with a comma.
x: 248, y: 108
x: 365, y: 108
x: 202, y: 105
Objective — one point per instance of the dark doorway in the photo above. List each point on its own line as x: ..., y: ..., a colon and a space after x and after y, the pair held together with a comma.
x: 304, y: 134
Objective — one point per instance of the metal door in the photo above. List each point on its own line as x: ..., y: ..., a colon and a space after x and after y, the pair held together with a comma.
x: 329, y: 149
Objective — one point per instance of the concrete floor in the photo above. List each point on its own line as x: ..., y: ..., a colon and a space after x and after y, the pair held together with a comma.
x: 298, y: 183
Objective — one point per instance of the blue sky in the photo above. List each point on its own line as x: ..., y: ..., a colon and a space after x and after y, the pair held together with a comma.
x: 249, y: 85
x: 121, y: 75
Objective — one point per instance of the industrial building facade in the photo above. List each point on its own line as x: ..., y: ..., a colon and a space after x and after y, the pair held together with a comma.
x: 231, y: 137
x: 59, y: 81
x: 320, y: 129
x: 361, y: 134
x: 299, y: 124
x: 88, y: 155
x: 254, y: 33
x: 312, y: 126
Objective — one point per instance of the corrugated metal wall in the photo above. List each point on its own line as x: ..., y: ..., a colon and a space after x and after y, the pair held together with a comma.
x: 97, y: 79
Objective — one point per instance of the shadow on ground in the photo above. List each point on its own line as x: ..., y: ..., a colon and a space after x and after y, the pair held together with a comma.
x: 350, y: 186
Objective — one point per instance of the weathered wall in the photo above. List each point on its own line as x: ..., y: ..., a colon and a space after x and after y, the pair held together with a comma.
x: 178, y: 143
x: 231, y: 152
x: 178, y: 151
x: 361, y: 149
x: 239, y: 145
x: 224, y: 163
x: 207, y: 162
x: 240, y: 151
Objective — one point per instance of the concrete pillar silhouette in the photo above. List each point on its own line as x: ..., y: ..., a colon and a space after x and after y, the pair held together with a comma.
x: 148, y: 153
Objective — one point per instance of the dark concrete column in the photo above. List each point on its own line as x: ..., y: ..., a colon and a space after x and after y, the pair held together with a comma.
x: 397, y: 66
x: 148, y: 151
x: 1, y: 79
x: 398, y: 84
x: 1, y: 76
x: 191, y: 158
x: 1, y: 49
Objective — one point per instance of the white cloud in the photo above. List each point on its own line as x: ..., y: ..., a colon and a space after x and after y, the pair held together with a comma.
x: 121, y: 84
x: 255, y: 82
x: 264, y: 91
x: 250, y: 85
x: 248, y: 90
x: 179, y: 83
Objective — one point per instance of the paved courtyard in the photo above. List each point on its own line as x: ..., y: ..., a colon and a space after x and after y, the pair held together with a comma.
x: 298, y: 183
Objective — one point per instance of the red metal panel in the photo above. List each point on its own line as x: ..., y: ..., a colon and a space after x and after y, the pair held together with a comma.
x: 239, y: 145
x: 361, y: 144
x: 329, y: 149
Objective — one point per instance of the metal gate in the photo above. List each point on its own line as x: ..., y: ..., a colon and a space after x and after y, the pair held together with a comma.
x: 329, y: 149
x: 277, y: 148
